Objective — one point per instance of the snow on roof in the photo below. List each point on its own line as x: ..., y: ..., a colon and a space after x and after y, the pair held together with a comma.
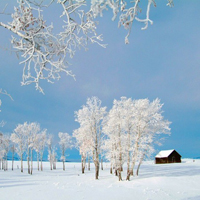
x: 164, y: 154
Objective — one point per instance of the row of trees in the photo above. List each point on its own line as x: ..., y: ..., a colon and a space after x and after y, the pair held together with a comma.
x: 27, y: 138
x: 124, y: 135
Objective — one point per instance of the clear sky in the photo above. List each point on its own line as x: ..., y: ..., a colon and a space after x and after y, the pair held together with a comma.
x: 160, y: 62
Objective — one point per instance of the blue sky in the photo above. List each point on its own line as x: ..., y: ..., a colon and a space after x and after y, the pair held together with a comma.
x: 162, y: 61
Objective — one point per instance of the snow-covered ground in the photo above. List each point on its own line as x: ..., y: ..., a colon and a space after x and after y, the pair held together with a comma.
x: 156, y: 182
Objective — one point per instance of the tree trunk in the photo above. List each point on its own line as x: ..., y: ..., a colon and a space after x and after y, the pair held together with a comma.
x: 3, y: 164
x: 31, y: 171
x: 21, y: 163
x: 116, y: 173
x: 63, y: 165
x: 54, y: 164
x: 120, y: 175
x: 63, y: 155
x: 96, y: 170
x: 38, y: 162
x: 128, y: 166
x: 128, y: 155
x: 135, y: 154
x: 82, y: 165
x: 13, y: 153
x: 41, y: 158
x: 137, y: 172
x: 89, y: 164
x: 101, y: 164
x: 141, y: 159
x: 28, y: 160
x: 51, y: 163
x: 84, y: 161
x: 110, y: 168
x: 6, y: 162
x: 128, y: 176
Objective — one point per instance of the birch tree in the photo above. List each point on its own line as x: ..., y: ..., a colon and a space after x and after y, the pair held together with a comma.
x: 50, y: 150
x: 13, y: 149
x: 116, y: 147
x: 41, y: 139
x: 6, y: 147
x: 54, y: 157
x: 45, y: 52
x: 84, y: 144
x: 19, y: 138
x: 131, y: 128
x: 148, y: 121
x: 33, y: 131
x: 65, y: 143
x: 90, y: 118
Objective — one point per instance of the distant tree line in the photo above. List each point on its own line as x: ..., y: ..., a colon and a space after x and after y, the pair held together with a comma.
x: 124, y: 135
x: 28, y: 138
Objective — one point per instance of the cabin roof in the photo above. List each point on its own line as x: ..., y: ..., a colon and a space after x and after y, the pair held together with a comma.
x: 164, y: 154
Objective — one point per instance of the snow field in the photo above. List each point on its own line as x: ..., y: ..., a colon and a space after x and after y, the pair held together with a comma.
x: 179, y: 181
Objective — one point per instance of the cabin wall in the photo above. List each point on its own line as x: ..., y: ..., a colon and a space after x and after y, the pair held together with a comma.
x: 174, y: 157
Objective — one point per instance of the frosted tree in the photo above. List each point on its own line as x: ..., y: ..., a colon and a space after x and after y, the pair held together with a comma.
x: 84, y: 144
x: 116, y: 144
x: 45, y: 53
x: 148, y: 122
x: 127, y: 112
x: 30, y: 130
x: 54, y: 157
x: 50, y: 150
x: 33, y: 131
x: 24, y: 138
x: 13, y: 149
x: 6, y: 147
x: 40, y: 143
x: 19, y: 137
x: 90, y: 118
x: 131, y: 128
x: 65, y: 143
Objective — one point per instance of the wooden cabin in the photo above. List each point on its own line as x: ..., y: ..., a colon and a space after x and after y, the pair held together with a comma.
x: 168, y: 156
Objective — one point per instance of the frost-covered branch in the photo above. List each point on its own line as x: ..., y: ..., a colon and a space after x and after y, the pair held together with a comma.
x: 128, y: 11
x: 89, y: 134
x: 4, y: 92
x: 79, y: 26
x: 45, y: 54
